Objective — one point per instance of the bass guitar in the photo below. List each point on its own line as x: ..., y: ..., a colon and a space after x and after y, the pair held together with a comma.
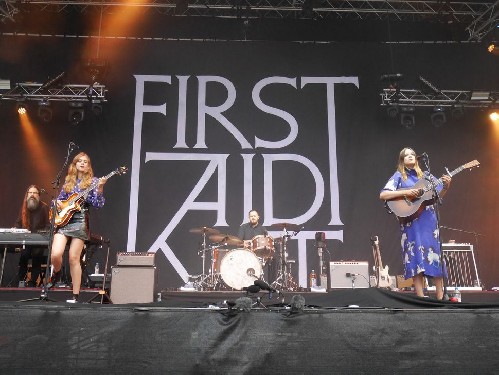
x: 73, y: 204
x: 383, y: 279
x: 405, y: 206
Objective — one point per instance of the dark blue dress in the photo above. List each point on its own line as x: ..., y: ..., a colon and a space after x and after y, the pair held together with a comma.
x: 419, y: 242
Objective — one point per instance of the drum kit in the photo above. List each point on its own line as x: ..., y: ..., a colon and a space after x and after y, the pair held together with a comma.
x: 229, y: 263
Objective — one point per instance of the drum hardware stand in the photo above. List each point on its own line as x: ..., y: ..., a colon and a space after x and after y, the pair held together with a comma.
x: 284, y: 278
x: 102, y: 293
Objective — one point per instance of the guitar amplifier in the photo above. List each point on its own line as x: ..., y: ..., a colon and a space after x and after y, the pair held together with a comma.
x: 350, y: 275
x: 135, y: 259
x: 133, y: 284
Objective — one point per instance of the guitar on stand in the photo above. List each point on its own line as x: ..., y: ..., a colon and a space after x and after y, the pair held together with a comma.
x: 383, y: 279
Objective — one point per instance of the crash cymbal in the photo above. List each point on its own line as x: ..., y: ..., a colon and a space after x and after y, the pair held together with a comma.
x: 288, y: 226
x: 202, y: 230
x: 227, y: 239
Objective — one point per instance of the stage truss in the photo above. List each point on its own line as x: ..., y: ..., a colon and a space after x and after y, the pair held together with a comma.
x: 481, y: 16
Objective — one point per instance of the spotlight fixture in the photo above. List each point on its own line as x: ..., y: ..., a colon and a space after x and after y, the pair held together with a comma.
x: 407, y: 117
x: 438, y: 117
x: 392, y: 110
x: 76, y: 112
x: 494, y: 115
x: 457, y: 111
x: 44, y: 110
x: 96, y: 107
x: 493, y: 48
x: 21, y: 107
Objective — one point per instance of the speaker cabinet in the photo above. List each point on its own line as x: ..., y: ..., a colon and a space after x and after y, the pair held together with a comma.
x: 133, y: 284
x: 350, y: 275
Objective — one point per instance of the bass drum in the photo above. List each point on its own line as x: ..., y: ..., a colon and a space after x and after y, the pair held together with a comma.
x: 240, y: 268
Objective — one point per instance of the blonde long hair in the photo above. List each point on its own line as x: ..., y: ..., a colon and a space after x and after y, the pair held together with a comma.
x: 70, y: 181
x: 401, y: 165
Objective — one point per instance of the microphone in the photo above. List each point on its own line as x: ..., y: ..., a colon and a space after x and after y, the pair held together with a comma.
x: 264, y: 286
x: 299, y: 230
x: 73, y: 146
x: 252, y: 289
x: 424, y: 155
x: 348, y: 274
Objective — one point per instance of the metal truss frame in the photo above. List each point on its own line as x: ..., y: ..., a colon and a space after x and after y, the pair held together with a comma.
x: 95, y: 93
x: 444, y: 98
x: 482, y: 16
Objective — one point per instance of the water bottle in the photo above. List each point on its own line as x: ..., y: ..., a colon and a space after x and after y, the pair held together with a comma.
x: 96, y: 271
x: 313, y: 279
x: 457, y: 294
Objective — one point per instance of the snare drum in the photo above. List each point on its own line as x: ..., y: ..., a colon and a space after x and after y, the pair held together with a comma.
x: 240, y: 268
x: 263, y: 247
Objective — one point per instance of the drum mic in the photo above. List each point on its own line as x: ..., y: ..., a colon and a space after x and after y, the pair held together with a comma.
x: 264, y: 286
x: 252, y: 289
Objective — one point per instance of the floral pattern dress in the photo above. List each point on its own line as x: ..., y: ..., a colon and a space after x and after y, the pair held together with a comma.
x: 420, y: 236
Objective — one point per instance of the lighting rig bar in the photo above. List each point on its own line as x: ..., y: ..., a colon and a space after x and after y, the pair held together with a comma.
x: 445, y: 98
x: 69, y: 92
x: 485, y: 23
x: 460, y: 11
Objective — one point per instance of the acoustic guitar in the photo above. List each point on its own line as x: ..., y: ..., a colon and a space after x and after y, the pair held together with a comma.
x: 405, y: 206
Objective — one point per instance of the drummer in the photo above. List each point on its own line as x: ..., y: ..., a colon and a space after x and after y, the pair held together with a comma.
x: 249, y: 230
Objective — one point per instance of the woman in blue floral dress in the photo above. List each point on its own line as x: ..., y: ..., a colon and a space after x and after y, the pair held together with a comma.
x: 80, y: 177
x: 420, y: 237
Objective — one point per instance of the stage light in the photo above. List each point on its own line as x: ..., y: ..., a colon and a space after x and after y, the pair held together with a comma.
x: 493, y: 48
x: 407, y: 117
x: 44, y: 110
x: 96, y: 107
x: 392, y: 111
x: 76, y: 113
x: 457, y: 112
x: 494, y: 115
x: 21, y: 108
x: 480, y: 95
x: 438, y: 117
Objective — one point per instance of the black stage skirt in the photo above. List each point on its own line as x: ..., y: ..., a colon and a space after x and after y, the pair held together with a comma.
x: 77, y: 226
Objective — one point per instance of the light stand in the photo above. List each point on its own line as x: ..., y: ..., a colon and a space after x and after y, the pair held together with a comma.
x: 53, y: 209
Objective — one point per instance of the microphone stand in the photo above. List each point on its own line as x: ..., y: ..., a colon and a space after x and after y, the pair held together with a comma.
x: 437, y: 201
x: 44, y: 294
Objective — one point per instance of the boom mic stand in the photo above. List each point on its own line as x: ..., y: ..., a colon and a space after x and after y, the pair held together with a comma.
x: 437, y: 201
x: 44, y: 294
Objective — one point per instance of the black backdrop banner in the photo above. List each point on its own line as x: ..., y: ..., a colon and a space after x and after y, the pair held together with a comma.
x: 211, y: 130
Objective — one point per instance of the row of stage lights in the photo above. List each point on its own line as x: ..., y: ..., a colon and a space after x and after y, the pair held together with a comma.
x: 438, y: 115
x: 76, y: 110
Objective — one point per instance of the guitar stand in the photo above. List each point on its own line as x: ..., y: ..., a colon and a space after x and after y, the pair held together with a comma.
x: 104, y: 297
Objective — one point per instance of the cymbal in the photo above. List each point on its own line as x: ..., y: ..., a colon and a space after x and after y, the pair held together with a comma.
x: 227, y: 239
x: 202, y: 230
x: 288, y: 226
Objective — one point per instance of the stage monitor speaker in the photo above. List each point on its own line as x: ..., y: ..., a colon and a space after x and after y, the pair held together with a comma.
x: 348, y: 275
x: 133, y: 284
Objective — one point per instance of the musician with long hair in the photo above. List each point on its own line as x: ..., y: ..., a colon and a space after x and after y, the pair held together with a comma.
x: 79, y: 178
x: 34, y: 216
x: 420, y: 239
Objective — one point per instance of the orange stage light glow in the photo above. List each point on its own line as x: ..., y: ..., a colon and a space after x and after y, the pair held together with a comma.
x: 38, y: 151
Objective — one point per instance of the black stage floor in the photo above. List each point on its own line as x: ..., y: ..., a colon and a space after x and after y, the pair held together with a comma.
x: 341, y: 298
x: 359, y: 331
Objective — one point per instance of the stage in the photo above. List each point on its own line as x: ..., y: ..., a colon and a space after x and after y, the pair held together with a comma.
x: 356, y: 331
